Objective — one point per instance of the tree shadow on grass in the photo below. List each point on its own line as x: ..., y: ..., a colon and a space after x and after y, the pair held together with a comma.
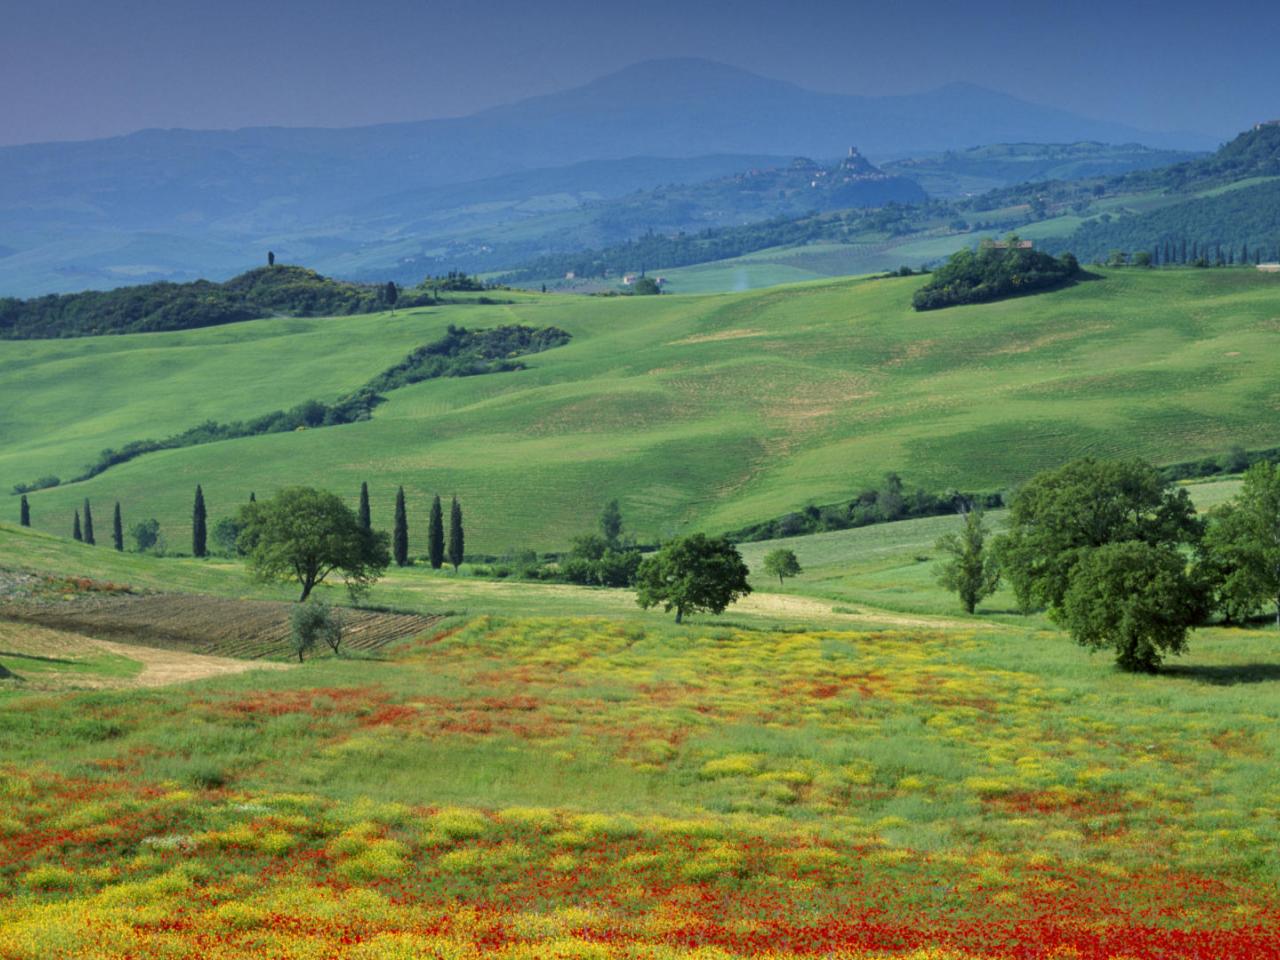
x: 9, y: 654
x: 1225, y: 675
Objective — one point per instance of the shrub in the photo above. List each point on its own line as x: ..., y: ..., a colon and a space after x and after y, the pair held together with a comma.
x: 312, y: 623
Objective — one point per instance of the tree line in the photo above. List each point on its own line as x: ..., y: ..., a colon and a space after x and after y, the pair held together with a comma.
x: 994, y: 273
x: 1117, y: 555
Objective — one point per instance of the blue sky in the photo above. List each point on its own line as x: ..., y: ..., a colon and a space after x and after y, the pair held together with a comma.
x: 72, y: 69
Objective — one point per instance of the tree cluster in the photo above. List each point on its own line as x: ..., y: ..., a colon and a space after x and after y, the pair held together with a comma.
x: 993, y: 273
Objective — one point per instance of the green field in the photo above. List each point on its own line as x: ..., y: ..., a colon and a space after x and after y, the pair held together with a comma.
x: 699, y: 412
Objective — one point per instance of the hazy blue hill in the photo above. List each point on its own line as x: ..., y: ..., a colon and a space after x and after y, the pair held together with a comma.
x: 302, y: 191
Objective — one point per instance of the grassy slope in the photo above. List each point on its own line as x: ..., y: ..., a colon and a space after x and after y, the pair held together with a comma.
x: 695, y: 411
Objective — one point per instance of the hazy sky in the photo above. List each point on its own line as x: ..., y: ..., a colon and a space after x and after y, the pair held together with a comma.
x: 73, y: 69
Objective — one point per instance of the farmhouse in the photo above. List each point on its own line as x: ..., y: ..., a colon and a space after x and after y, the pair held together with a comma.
x: 1269, y: 267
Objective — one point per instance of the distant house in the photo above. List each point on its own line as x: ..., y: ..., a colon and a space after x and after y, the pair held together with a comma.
x: 629, y: 279
x: 1269, y: 267
x: 571, y: 275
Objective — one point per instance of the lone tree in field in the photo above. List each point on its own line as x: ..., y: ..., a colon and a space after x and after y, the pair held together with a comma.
x: 611, y: 523
x: 1243, y: 546
x: 24, y: 512
x: 435, y: 534
x: 88, y: 523
x: 782, y: 563
x: 969, y: 570
x: 391, y: 293
x: 199, y: 526
x: 692, y: 574
x: 457, y: 540
x: 75, y: 529
x: 400, y: 536
x: 146, y: 535
x: 1061, y: 515
x: 312, y: 623
x: 366, y: 519
x: 117, y: 529
x: 1134, y: 597
x: 303, y: 535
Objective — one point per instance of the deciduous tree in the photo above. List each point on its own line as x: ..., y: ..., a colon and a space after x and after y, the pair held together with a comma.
x: 782, y: 563
x: 692, y: 574
x: 1243, y: 545
x: 304, y: 535
x: 969, y: 570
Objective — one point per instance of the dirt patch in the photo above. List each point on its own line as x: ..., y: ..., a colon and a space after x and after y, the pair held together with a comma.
x: 48, y: 659
x: 210, y: 626
x: 714, y: 337
x: 790, y: 605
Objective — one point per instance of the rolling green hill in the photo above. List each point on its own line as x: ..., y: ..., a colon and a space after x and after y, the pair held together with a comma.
x: 696, y: 412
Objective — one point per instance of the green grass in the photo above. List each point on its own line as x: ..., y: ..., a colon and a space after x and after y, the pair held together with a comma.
x: 697, y: 412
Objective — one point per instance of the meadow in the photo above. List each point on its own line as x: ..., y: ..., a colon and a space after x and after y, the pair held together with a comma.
x: 697, y: 412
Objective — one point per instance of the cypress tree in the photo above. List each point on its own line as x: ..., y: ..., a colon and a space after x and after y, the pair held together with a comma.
x: 88, y: 523
x: 253, y: 497
x: 366, y: 520
x: 456, y: 542
x: 199, y: 526
x: 24, y: 512
x: 75, y: 529
x: 117, y: 529
x: 435, y: 534
x: 1183, y: 258
x: 400, y: 537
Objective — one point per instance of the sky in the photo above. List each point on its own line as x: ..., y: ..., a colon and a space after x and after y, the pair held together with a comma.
x: 81, y: 69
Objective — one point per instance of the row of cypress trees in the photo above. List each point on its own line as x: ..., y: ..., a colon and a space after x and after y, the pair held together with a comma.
x: 437, y: 551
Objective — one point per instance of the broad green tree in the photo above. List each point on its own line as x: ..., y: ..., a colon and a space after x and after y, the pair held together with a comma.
x: 1060, y: 515
x: 692, y: 574
x: 400, y: 533
x: 304, y: 535
x: 1135, y: 598
x: 457, y: 538
x: 199, y: 526
x: 782, y: 563
x: 146, y: 535
x: 1242, y: 545
x: 435, y: 534
x: 969, y: 570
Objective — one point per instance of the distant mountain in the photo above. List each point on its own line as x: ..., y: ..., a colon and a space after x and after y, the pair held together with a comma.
x: 170, y: 204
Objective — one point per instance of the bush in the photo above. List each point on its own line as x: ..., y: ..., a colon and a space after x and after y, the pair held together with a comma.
x: 312, y: 623
x: 993, y: 273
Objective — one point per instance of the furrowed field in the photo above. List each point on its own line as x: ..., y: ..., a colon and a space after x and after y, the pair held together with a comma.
x: 696, y: 412
x: 611, y: 785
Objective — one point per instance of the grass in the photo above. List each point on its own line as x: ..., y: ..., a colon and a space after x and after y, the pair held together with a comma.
x: 606, y: 787
x: 697, y: 412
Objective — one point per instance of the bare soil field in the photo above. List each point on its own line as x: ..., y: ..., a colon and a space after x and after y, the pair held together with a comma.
x: 211, y: 626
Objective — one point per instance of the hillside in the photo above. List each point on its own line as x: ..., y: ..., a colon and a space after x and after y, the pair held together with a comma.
x: 702, y: 412
x: 264, y: 292
x: 976, y: 170
x: 181, y: 204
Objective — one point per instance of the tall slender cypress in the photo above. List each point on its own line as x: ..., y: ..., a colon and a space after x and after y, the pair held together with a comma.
x: 253, y: 497
x: 400, y: 536
x: 75, y: 529
x: 88, y: 523
x: 435, y: 535
x: 199, y: 526
x: 456, y: 542
x: 24, y: 512
x: 366, y: 520
x: 117, y: 529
